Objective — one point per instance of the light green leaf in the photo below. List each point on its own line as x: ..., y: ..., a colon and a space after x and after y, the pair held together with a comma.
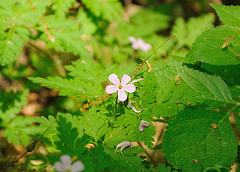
x: 11, y: 104
x: 62, y: 6
x: 195, y: 143
x: 50, y: 136
x: 67, y: 87
x: 110, y: 10
x: 20, y: 131
x: 67, y: 39
x: 15, y: 22
x: 229, y: 15
x: 186, y: 33
x: 88, y: 27
x: 95, y: 124
x: 208, y: 47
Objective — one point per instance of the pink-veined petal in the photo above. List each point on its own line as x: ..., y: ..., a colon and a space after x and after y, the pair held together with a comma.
x: 77, y: 166
x: 114, y: 79
x: 122, y: 96
x: 66, y: 161
x: 59, y: 167
x: 125, y: 79
x: 111, y: 89
x: 129, y: 88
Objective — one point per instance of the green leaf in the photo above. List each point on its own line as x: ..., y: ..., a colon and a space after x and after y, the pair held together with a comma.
x: 132, y: 162
x: 208, y: 47
x: 14, y: 16
x: 20, y: 131
x: 50, y: 125
x: 229, y: 15
x: 11, y: 44
x: 67, y: 87
x: 11, y: 104
x: 69, y: 141
x: 95, y: 124
x: 163, y: 168
x: 186, y: 33
x: 194, y: 143
x: 67, y: 39
x: 228, y: 73
x: 61, y: 7
x: 110, y: 10
x: 88, y: 27
x: 170, y: 96
x: 235, y: 90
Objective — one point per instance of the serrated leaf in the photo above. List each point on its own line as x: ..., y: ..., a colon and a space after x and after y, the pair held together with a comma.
x: 11, y: 104
x: 69, y: 141
x: 208, y: 47
x: 201, y: 139
x: 95, y: 124
x: 229, y: 15
x: 67, y: 39
x: 19, y: 130
x: 62, y: 6
x: 14, y: 32
x: 192, y: 87
x: 109, y: 10
x: 88, y: 27
x: 228, y: 73
x: 132, y: 162
x: 67, y: 87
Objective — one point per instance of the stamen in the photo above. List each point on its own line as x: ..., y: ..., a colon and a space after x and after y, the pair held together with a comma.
x: 120, y: 87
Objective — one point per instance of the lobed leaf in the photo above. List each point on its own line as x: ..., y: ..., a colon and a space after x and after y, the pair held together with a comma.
x: 109, y: 10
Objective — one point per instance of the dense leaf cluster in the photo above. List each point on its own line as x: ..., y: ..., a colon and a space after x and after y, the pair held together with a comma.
x: 74, y: 46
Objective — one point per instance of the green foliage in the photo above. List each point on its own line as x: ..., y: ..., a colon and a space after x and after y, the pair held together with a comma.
x: 192, y: 86
x: 67, y: 86
x: 229, y: 15
x: 186, y: 33
x: 61, y: 7
x: 69, y: 142
x: 109, y: 10
x: 95, y: 124
x: 73, y: 46
x: 192, y: 148
x: 67, y: 39
x: 15, y: 16
x: 18, y: 129
x: 211, y: 51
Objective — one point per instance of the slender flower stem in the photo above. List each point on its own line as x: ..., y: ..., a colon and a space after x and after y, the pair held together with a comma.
x: 115, y: 108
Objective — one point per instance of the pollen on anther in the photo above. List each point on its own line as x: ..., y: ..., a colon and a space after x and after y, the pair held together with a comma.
x: 120, y: 87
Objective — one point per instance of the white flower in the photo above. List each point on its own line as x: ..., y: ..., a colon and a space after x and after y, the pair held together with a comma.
x: 123, y: 145
x: 66, y: 166
x: 133, y: 108
x: 121, y: 87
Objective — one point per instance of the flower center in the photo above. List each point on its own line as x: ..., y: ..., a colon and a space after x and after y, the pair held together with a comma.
x: 120, y: 86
